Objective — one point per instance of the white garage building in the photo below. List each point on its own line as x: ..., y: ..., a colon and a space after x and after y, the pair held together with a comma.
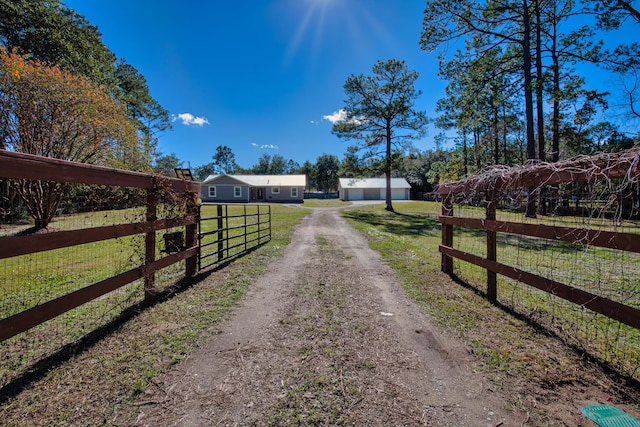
x: 373, y: 189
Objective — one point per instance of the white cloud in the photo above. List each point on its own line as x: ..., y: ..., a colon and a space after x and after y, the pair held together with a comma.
x: 337, y: 116
x: 341, y: 116
x: 189, y: 119
x: 265, y: 146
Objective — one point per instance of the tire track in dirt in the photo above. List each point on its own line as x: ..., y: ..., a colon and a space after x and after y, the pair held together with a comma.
x: 327, y: 336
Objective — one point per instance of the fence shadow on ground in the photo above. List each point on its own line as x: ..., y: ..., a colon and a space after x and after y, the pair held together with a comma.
x: 624, y: 382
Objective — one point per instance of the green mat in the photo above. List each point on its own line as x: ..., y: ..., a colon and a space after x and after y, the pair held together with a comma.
x: 609, y: 416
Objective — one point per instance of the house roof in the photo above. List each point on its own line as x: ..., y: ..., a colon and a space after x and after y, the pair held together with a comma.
x: 264, y: 180
x: 373, y: 183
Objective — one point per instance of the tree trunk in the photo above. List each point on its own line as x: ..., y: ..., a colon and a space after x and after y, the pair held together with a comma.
x: 528, y: 101
x: 40, y: 224
x: 528, y: 83
x: 496, y: 137
x: 539, y: 104
x: 476, y: 148
x: 505, y: 129
x: 41, y: 198
x: 387, y: 170
x: 539, y: 85
x: 555, y: 137
x: 465, y: 154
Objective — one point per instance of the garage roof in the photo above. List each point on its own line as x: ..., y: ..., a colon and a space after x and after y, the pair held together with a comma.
x: 373, y: 183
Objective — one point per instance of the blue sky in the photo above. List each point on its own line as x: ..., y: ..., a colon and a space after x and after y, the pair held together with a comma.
x: 260, y: 76
x: 265, y: 76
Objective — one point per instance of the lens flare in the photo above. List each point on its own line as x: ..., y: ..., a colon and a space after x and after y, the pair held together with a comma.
x: 333, y: 24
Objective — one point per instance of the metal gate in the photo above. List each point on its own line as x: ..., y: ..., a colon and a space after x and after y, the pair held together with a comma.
x: 228, y: 231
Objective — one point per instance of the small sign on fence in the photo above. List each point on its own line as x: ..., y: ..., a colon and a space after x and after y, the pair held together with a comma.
x: 173, y: 242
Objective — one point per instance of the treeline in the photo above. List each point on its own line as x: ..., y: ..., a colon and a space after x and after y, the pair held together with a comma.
x: 514, y: 92
x: 65, y: 95
x: 321, y: 175
x: 53, y: 58
x: 420, y: 168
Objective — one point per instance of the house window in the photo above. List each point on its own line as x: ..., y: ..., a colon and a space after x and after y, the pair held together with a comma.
x: 275, y: 190
x: 212, y: 191
x: 237, y: 191
x: 294, y: 191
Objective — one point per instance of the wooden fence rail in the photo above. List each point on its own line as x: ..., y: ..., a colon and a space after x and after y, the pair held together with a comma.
x: 23, y: 166
x: 485, y: 187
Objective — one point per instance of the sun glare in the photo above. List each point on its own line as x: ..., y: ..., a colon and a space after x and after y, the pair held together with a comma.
x: 313, y: 20
x: 332, y: 24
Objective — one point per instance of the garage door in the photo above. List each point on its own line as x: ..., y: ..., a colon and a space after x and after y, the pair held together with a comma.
x: 372, y: 194
x: 398, y: 194
x: 355, y: 194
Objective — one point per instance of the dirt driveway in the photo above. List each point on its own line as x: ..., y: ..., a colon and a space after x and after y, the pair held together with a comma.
x: 326, y: 337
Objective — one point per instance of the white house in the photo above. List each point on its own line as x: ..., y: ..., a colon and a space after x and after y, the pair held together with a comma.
x: 373, y: 189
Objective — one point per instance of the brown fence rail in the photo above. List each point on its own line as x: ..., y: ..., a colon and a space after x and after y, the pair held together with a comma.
x: 161, y: 193
x: 228, y: 231
x: 589, y: 261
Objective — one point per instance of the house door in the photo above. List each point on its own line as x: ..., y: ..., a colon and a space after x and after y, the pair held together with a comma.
x: 260, y: 195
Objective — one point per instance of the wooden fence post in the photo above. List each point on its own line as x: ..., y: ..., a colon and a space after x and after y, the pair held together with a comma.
x: 490, y: 215
x: 150, y: 243
x: 191, y: 238
x: 447, y: 233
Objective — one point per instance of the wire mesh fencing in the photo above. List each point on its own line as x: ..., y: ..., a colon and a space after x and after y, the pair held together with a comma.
x: 573, y: 266
x: 102, y: 252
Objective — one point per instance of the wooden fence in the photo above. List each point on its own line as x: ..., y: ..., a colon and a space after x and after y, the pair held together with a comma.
x: 535, y: 179
x: 27, y: 167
